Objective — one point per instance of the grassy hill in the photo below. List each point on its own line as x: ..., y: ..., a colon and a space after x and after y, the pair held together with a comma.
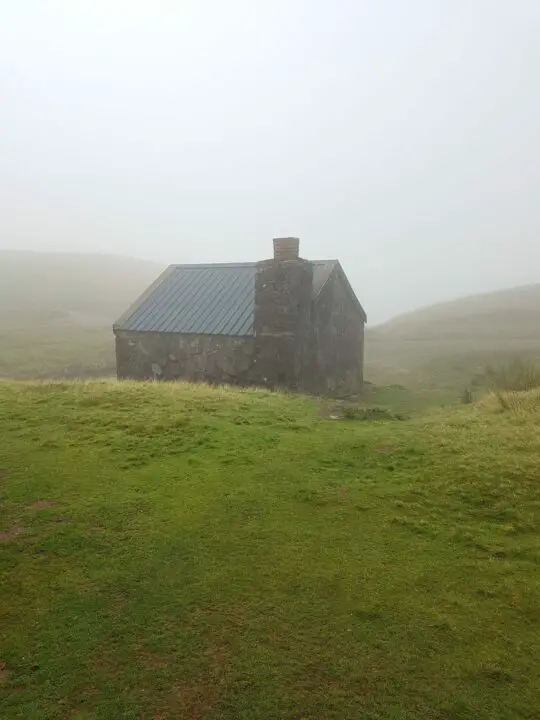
x: 56, y: 311
x: 443, y: 348
x: 175, y: 552
x: 513, y: 314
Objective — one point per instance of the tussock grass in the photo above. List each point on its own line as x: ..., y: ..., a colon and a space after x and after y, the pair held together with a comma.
x: 175, y: 551
x: 517, y: 376
x: 514, y: 387
x: 524, y: 402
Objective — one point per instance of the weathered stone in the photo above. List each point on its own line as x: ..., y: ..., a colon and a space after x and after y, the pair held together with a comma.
x: 283, y: 328
x: 339, y: 339
x: 221, y: 359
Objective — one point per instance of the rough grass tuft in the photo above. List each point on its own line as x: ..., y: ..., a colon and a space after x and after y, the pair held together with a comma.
x: 517, y: 402
x: 517, y: 376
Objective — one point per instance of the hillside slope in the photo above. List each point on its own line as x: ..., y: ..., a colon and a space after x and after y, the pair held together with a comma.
x: 69, y: 288
x: 177, y: 552
x: 512, y: 314
x: 447, y: 346
x: 56, y: 311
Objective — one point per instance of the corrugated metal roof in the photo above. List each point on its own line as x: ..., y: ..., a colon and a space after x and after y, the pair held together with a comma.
x: 204, y: 300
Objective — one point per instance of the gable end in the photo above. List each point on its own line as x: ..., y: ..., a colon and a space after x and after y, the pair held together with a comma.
x: 337, y: 273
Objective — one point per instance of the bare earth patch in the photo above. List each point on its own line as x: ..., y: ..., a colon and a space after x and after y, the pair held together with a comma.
x: 11, y: 534
x: 198, y: 697
x: 4, y: 674
x: 386, y: 449
x: 44, y: 505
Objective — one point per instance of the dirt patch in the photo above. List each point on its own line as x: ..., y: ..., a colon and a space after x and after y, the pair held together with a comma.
x: 153, y: 660
x: 44, y: 505
x: 197, y: 697
x: 196, y: 701
x: 386, y: 449
x: 11, y: 534
x: 98, y: 529
x: 4, y: 674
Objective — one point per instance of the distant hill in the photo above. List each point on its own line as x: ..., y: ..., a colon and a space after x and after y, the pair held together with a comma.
x: 507, y: 314
x: 57, y: 309
x: 448, y: 345
x: 70, y: 288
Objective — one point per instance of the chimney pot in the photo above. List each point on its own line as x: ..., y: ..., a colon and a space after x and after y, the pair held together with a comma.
x: 287, y: 248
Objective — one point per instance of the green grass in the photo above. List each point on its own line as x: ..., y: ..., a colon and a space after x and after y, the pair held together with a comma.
x: 426, y: 373
x: 173, y: 552
x: 65, y: 351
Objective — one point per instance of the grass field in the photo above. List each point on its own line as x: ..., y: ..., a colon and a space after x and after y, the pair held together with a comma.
x: 63, y: 351
x: 171, y: 552
x: 424, y: 373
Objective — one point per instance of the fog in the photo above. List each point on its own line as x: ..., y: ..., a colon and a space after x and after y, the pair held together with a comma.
x: 400, y: 137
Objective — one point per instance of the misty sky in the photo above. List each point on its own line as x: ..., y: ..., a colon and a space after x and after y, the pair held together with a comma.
x: 401, y: 136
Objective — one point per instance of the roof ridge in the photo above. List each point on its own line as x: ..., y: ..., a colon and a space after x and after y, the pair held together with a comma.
x: 201, y: 266
x: 189, y: 266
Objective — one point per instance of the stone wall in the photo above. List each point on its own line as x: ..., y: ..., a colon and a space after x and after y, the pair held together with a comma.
x: 168, y: 356
x: 283, y: 328
x: 339, y: 339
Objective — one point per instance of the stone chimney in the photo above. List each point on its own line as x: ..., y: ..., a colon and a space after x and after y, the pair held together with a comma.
x: 282, y: 323
x: 286, y: 248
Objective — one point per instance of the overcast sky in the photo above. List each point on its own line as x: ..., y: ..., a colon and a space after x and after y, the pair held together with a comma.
x: 401, y: 136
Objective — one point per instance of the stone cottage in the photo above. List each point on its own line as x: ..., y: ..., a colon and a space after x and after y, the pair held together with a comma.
x: 283, y: 322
